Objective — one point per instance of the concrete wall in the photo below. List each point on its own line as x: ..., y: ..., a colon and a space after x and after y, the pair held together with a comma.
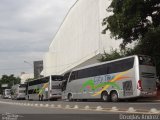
x: 79, y: 37
x: 25, y: 76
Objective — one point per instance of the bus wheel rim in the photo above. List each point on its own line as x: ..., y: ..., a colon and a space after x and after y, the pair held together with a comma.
x: 104, y: 97
x: 114, y: 97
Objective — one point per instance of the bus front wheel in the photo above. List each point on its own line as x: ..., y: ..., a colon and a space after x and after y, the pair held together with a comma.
x: 70, y: 97
x: 114, y: 96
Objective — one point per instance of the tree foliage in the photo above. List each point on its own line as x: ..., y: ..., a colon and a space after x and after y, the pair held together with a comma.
x: 30, y: 79
x: 132, y: 19
x: 115, y: 54
x: 10, y: 80
x: 136, y: 20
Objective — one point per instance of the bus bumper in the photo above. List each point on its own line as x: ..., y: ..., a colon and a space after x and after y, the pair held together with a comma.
x: 148, y: 94
x: 55, y: 97
x: 21, y: 97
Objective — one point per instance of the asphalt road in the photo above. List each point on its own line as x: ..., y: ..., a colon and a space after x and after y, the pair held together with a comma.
x: 44, y: 113
x: 143, y: 104
x: 42, y: 110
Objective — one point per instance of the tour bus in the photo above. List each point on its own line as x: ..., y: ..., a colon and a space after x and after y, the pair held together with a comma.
x: 46, y: 88
x: 18, y: 91
x: 125, y: 78
x: 6, y: 94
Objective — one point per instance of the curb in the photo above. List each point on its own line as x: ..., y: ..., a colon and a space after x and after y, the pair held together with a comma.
x: 114, y: 109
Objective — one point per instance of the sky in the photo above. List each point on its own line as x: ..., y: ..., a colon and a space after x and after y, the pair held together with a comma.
x: 27, y: 27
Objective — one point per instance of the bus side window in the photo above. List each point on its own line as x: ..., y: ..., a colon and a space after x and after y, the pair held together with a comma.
x: 120, y: 66
x: 66, y: 76
x: 64, y: 85
x: 73, y: 76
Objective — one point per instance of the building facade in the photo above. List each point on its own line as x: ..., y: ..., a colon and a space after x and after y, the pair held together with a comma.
x: 38, y: 67
x: 79, y: 40
x: 25, y: 76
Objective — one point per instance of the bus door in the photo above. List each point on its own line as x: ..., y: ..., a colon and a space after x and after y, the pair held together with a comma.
x: 46, y: 93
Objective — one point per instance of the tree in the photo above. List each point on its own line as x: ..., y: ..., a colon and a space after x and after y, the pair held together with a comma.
x: 30, y: 79
x: 10, y: 80
x: 115, y: 54
x: 132, y: 19
x: 136, y: 20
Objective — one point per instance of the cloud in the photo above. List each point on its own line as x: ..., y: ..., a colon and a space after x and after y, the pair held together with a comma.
x: 27, y: 27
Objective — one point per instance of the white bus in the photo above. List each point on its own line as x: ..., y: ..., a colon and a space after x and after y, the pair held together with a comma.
x: 125, y: 78
x: 6, y: 94
x: 18, y: 91
x: 46, y: 88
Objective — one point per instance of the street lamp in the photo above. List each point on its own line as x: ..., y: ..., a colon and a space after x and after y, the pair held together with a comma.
x: 31, y: 64
x: 28, y: 63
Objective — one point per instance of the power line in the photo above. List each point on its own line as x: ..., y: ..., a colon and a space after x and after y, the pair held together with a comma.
x: 49, y: 67
x: 16, y: 68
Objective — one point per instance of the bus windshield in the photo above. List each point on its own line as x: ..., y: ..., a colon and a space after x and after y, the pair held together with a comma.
x: 7, y: 91
x: 57, y: 78
x: 22, y: 85
x: 146, y: 60
x: 22, y: 91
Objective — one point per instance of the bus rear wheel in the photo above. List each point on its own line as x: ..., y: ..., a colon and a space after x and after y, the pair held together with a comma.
x: 105, y: 97
x: 70, y: 97
x: 114, y: 96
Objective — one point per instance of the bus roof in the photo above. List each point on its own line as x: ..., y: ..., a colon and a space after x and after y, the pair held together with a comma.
x: 96, y: 64
x: 46, y: 77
